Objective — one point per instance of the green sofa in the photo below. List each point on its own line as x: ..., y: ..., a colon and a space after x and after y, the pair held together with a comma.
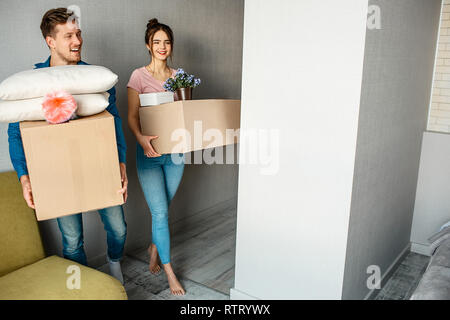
x: 25, y: 272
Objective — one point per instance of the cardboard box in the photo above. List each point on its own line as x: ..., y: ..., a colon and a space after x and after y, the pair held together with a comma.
x: 74, y: 166
x: 190, y: 125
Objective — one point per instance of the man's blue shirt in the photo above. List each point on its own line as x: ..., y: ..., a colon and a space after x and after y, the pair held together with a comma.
x: 17, y: 153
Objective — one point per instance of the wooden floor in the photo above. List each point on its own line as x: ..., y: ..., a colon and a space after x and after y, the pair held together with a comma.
x: 203, y: 256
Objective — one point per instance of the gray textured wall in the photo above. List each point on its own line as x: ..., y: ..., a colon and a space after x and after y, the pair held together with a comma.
x: 208, y: 43
x: 398, y: 69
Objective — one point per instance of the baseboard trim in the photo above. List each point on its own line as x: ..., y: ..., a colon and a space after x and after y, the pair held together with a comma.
x: 420, y: 249
x: 372, y: 293
x: 239, y: 295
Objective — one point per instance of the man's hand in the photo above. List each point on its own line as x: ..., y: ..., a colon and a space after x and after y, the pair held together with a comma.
x: 26, y: 189
x: 123, y: 176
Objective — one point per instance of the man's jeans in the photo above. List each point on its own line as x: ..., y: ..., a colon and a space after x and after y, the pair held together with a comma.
x: 72, y: 234
x: 159, y: 178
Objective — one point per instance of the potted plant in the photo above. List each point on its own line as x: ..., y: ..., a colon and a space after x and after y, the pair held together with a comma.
x: 182, y: 83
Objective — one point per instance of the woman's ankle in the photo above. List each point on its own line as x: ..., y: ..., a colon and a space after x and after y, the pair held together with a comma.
x: 167, y: 267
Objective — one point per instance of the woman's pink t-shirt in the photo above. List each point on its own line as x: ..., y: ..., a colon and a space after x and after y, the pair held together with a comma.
x: 143, y: 82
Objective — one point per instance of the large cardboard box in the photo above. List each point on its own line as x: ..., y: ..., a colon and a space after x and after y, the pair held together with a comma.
x: 74, y: 166
x: 190, y: 125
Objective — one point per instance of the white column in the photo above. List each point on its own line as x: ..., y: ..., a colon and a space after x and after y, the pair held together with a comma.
x: 302, y: 72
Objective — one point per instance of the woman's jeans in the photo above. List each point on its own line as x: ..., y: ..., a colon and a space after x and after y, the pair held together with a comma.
x: 72, y: 234
x: 159, y: 178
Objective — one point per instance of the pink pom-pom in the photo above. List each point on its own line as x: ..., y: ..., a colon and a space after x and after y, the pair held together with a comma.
x: 59, y: 106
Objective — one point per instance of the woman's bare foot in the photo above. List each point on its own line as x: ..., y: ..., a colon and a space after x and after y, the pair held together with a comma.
x: 153, y: 265
x: 174, y: 284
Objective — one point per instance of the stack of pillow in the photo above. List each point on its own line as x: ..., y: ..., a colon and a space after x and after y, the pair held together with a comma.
x: 23, y: 93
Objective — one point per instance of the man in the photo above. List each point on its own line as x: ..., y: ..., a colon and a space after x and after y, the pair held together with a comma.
x: 63, y: 37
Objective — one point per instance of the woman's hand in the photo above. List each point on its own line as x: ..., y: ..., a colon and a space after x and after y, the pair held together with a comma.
x: 135, y: 127
x: 145, y: 142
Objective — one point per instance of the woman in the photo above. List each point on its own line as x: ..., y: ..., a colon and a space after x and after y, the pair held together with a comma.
x: 158, y: 175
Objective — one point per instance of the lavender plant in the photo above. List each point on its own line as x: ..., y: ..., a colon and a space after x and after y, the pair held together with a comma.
x: 181, y: 80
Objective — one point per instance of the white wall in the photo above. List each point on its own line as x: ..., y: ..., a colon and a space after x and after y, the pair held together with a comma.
x: 432, y: 207
x: 302, y: 65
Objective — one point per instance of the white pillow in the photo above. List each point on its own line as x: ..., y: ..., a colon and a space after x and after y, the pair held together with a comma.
x: 31, y: 109
x: 75, y: 79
